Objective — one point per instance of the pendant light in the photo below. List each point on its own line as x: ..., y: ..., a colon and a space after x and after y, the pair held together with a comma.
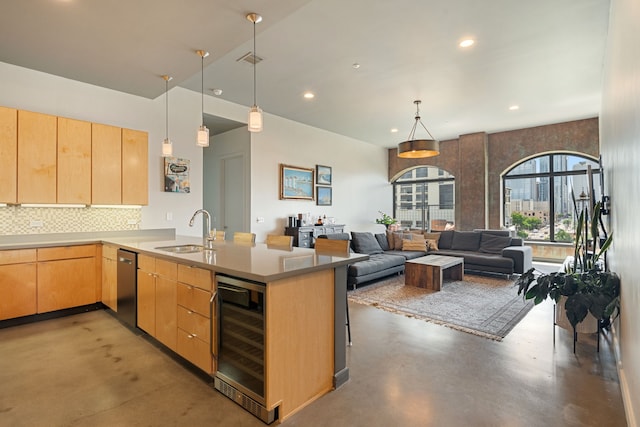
x: 167, y: 147
x: 414, y: 148
x: 203, y: 132
x: 255, y: 113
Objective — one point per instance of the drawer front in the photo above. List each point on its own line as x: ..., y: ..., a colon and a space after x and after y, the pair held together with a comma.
x: 66, y: 252
x: 109, y: 251
x: 146, y: 263
x: 17, y: 256
x: 194, y: 324
x: 167, y: 269
x: 194, y: 299
x: 195, y: 276
x: 195, y: 351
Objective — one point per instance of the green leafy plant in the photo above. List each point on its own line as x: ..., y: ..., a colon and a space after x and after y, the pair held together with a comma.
x: 385, y: 219
x: 588, y: 288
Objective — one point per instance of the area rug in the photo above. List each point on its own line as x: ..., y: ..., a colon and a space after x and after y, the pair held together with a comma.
x: 486, y: 306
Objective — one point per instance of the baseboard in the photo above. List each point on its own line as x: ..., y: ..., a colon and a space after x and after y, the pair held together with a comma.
x: 629, y: 409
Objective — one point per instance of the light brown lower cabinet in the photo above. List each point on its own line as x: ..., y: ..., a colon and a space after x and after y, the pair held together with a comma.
x: 157, y: 297
x: 110, y: 277
x: 66, y: 277
x: 18, y: 295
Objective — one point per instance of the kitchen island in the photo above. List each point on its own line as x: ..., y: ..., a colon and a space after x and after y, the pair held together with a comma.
x: 303, y: 307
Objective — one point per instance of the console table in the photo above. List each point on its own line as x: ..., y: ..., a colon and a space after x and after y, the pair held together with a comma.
x: 306, y: 235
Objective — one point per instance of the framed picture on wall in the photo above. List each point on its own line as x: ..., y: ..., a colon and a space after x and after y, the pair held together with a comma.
x: 296, y: 182
x: 176, y: 175
x: 323, y: 196
x: 323, y: 175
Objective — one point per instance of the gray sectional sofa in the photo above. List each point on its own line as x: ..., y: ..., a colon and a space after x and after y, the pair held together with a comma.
x: 493, y: 251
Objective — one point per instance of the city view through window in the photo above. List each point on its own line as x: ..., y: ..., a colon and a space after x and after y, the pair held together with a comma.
x: 543, y: 194
x: 424, y: 199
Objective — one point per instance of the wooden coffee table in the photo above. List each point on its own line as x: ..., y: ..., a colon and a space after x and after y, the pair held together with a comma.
x: 428, y: 271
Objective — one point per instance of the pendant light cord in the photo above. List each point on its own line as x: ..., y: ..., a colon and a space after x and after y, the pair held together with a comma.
x: 166, y: 93
x: 202, y: 86
x: 254, y: 62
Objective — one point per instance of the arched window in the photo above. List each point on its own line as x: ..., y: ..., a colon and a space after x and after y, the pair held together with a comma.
x: 424, y: 198
x: 542, y: 195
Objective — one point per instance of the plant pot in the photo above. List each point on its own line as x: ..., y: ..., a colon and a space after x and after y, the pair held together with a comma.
x: 588, y: 326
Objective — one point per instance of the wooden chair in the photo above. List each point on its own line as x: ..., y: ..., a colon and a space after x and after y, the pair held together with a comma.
x: 279, y: 241
x: 332, y: 247
x: 220, y: 234
x: 337, y: 248
x: 438, y: 224
x: 240, y: 237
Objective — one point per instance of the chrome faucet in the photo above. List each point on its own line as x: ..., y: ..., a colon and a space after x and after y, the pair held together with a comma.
x: 209, y: 234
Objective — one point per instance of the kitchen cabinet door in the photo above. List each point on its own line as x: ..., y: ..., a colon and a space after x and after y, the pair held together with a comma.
x: 110, y: 277
x: 135, y: 177
x: 146, y: 301
x: 106, y: 164
x: 9, y: 155
x: 37, y: 157
x: 74, y: 161
x: 66, y: 283
x: 17, y: 290
x: 167, y: 311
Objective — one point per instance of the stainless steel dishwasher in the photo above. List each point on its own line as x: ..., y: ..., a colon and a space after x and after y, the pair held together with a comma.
x: 127, y: 272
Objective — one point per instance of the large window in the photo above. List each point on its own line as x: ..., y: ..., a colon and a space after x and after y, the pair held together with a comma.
x: 543, y: 194
x: 424, y: 199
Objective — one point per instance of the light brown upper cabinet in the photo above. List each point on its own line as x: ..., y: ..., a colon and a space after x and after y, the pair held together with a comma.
x: 9, y: 155
x: 74, y: 161
x: 135, y: 189
x: 106, y: 164
x: 37, y: 155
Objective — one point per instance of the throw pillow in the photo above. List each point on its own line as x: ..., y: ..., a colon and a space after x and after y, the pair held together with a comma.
x: 492, y: 244
x: 432, y: 236
x: 432, y: 245
x: 365, y: 243
x: 398, y: 237
x: 383, y: 241
x: 414, y: 245
x: 466, y: 241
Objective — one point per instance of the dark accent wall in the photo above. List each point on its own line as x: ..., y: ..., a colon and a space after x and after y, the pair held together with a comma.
x: 478, y: 161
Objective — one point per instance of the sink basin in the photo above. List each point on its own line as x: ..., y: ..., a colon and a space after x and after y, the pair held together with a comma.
x: 182, y: 249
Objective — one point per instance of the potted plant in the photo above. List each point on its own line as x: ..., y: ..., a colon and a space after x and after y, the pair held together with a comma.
x: 386, y: 220
x: 585, y: 285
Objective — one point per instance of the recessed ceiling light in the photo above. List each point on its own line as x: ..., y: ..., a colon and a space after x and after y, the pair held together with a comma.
x: 514, y: 107
x: 467, y: 43
x: 394, y: 130
x: 309, y: 95
x: 356, y: 65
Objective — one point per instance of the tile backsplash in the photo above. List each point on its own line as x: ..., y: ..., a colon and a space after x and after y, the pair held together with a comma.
x: 16, y: 220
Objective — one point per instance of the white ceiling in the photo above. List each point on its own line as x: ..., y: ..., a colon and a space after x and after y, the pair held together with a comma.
x: 545, y: 56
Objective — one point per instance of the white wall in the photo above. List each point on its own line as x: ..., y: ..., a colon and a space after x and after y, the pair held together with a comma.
x: 620, y: 148
x: 360, y: 185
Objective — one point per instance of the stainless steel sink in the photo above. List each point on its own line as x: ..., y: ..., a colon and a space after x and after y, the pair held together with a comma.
x: 182, y: 249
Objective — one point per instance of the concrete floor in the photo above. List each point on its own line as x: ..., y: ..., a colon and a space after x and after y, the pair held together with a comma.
x: 88, y: 370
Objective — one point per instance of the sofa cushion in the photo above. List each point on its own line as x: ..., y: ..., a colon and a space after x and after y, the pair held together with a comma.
x: 432, y: 245
x: 414, y: 245
x: 466, y: 241
x: 365, y: 243
x: 374, y: 264
x: 446, y: 238
x: 383, y: 241
x: 493, y: 244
